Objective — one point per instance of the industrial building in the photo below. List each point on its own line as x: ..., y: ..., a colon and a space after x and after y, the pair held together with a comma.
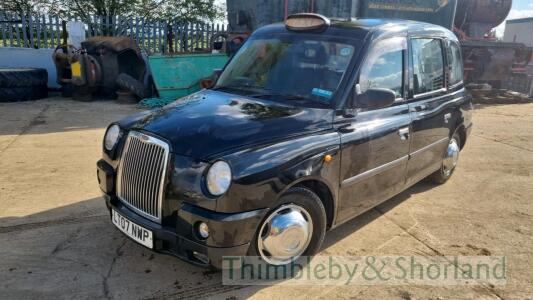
x: 519, y: 31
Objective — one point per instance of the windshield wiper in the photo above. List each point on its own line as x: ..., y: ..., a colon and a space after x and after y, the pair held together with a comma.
x: 281, y: 95
x: 291, y: 97
x: 249, y: 92
x: 238, y: 88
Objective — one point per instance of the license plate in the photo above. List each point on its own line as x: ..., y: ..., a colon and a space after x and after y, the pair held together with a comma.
x: 75, y: 68
x: 136, y: 232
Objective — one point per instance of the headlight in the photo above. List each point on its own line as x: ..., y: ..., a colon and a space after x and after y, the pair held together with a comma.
x: 111, y: 137
x: 218, y: 178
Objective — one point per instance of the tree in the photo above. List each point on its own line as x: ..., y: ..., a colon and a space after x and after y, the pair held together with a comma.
x: 193, y: 11
x: 84, y: 9
x: 181, y: 10
x: 29, y: 6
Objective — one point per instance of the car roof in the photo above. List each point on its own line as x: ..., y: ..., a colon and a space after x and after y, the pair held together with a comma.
x: 360, y: 28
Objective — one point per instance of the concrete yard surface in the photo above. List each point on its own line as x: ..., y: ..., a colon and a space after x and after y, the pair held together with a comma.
x: 57, y: 241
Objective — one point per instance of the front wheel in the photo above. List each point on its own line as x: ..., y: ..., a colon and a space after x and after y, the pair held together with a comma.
x: 449, y: 161
x: 296, y: 227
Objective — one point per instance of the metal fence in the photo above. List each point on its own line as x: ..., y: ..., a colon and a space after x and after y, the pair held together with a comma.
x: 152, y: 36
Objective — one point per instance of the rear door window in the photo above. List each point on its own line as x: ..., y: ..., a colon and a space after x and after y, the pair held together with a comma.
x: 428, y: 65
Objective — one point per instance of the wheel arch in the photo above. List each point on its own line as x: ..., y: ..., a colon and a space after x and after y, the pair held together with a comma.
x: 323, y: 191
x: 461, y: 130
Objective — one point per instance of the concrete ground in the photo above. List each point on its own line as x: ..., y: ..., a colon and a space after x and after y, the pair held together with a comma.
x: 56, y: 240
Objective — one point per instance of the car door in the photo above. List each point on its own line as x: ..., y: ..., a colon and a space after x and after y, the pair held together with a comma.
x: 428, y: 106
x: 374, y: 154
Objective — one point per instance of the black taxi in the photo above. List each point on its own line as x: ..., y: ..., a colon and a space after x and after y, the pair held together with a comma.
x: 311, y: 123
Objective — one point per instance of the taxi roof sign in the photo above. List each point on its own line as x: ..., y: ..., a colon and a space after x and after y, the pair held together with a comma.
x: 306, y: 21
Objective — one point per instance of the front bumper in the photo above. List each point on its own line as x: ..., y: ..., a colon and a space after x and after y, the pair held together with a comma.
x: 230, y: 233
x: 168, y: 241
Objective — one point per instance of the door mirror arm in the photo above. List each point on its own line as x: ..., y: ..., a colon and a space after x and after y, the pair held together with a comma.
x: 350, y: 111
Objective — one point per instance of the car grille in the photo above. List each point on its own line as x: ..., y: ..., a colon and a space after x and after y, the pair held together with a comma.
x: 141, y: 174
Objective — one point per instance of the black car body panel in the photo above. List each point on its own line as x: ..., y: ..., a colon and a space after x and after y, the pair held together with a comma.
x: 210, y: 122
x: 272, y: 146
x: 371, y: 168
x: 264, y: 172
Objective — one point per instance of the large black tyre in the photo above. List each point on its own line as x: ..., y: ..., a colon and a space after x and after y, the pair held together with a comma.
x: 308, y: 200
x: 444, y: 173
x: 67, y: 90
x: 13, y: 94
x: 23, y: 77
x: 131, y: 84
x: 152, y: 90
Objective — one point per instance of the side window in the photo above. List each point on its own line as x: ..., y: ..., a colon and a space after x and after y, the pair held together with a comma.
x: 455, y: 63
x: 428, y: 65
x: 383, y: 68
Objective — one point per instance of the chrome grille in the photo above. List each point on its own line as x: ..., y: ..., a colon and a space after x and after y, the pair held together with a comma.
x: 141, y: 174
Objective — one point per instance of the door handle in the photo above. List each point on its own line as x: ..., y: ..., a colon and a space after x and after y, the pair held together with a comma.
x: 346, y: 128
x: 404, y: 133
x: 420, y: 108
x: 447, y: 117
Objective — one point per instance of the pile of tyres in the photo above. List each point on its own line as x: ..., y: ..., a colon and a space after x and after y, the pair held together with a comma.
x: 23, y: 84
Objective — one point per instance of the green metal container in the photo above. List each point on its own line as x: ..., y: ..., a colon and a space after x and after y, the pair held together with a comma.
x: 176, y: 76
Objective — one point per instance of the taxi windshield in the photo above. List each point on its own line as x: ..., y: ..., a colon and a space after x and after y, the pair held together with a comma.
x: 302, y: 68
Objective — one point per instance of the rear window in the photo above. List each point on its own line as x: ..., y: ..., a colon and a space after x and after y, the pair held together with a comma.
x: 455, y: 64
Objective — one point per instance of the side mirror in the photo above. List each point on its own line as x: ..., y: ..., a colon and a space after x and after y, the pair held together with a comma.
x: 375, y: 98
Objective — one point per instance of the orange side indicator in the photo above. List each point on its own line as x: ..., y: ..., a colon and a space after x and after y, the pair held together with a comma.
x: 328, y: 158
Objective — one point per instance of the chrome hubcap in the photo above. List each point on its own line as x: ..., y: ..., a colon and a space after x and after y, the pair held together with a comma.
x: 285, y: 234
x: 451, y: 157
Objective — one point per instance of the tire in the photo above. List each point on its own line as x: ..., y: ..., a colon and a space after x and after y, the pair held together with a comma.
x: 14, y: 94
x: 311, y: 203
x: 129, y: 83
x: 152, y: 90
x: 215, y: 42
x: 23, y: 77
x: 126, y: 97
x: 444, y: 173
x: 67, y: 90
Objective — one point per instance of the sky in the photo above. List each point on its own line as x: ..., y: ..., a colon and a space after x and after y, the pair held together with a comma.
x: 521, y: 9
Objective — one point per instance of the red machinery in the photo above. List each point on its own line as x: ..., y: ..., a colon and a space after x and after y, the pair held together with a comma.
x: 502, y: 65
